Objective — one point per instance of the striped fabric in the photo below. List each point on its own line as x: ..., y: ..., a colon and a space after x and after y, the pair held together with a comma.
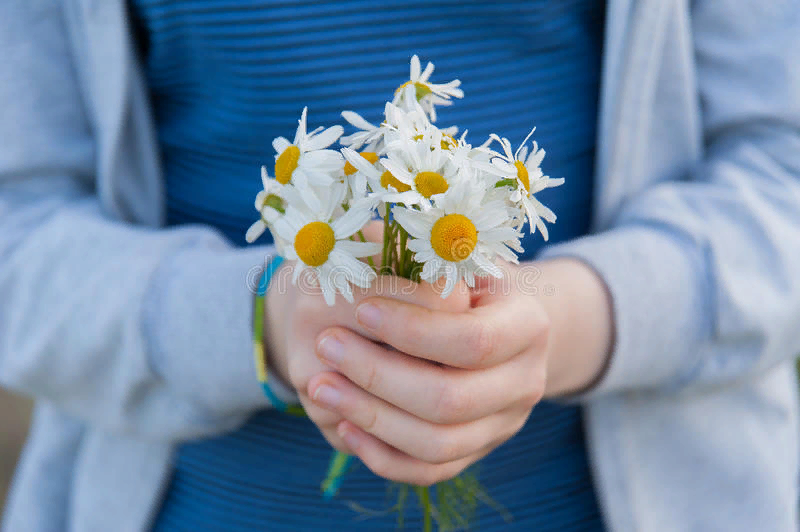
x: 229, y: 75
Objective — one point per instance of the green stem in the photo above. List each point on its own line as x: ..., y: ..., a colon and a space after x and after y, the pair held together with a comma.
x: 404, y: 253
x: 393, y: 258
x: 386, y: 233
x: 425, y: 501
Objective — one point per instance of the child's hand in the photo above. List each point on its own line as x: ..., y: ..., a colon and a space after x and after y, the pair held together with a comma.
x: 296, y: 315
x: 459, y: 384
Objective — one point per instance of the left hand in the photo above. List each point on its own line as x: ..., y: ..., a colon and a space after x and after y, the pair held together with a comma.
x: 456, y: 385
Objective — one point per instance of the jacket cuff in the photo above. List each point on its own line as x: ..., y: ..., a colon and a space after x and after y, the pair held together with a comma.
x: 659, y: 300
x: 199, y: 329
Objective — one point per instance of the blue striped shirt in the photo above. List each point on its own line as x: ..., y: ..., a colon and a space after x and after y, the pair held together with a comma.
x: 227, y: 76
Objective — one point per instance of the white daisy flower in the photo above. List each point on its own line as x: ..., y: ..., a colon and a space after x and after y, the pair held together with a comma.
x: 369, y: 135
x: 428, y: 94
x: 524, y: 171
x: 270, y: 203
x: 355, y: 177
x: 459, y: 238
x: 305, y: 161
x: 381, y: 181
x: 320, y: 242
x: 423, y: 167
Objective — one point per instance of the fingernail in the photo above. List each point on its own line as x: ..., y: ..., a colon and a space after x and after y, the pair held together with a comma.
x: 327, y: 396
x: 369, y: 315
x: 331, y: 350
x: 350, y: 438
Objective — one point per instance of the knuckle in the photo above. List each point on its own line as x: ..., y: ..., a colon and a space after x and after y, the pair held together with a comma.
x: 444, y: 450
x: 371, y: 379
x: 370, y: 420
x: 482, y: 342
x: 453, y: 404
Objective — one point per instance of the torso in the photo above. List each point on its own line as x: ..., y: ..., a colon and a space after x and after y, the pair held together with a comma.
x: 227, y: 77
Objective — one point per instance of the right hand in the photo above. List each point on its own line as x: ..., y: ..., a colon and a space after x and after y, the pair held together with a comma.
x: 295, y: 316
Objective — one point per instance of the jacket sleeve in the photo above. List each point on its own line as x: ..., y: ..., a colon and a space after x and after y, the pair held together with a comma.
x: 130, y: 329
x: 704, y: 273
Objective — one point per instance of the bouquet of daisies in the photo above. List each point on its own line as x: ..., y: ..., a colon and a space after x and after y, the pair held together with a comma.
x: 449, y: 210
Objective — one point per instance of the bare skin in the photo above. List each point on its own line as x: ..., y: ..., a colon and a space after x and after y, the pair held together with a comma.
x: 420, y: 387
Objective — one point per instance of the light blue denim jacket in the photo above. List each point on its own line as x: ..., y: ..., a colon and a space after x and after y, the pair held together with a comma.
x: 134, y: 338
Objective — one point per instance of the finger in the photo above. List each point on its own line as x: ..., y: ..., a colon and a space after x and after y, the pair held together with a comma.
x: 322, y: 417
x: 373, y: 231
x: 326, y: 421
x: 429, y: 442
x: 312, y: 310
x: 480, y: 338
x: 392, y: 464
x: 439, y: 394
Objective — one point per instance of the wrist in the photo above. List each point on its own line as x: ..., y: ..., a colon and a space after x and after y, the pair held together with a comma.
x: 578, y: 304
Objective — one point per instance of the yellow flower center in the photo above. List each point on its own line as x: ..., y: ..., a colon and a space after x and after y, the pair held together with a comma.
x: 422, y: 89
x: 522, y: 175
x: 286, y: 164
x: 430, y: 183
x: 314, y: 242
x: 371, y: 156
x: 453, y: 237
x: 387, y: 178
x: 448, y: 141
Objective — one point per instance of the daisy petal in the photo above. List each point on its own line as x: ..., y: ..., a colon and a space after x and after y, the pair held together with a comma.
x: 255, y: 231
x: 489, y: 218
x: 350, y: 222
x: 328, y: 291
x: 358, y: 249
x: 301, y: 127
x: 452, y: 278
x: 356, y: 120
x: 485, y: 266
x: 426, y: 74
x: 413, y: 222
x: 415, y: 67
x: 324, y: 139
x: 280, y: 144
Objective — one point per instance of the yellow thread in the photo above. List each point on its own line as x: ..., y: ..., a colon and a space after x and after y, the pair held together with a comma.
x: 314, y: 242
x: 286, y: 164
x: 261, y: 367
x: 430, y: 183
x: 453, y: 237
